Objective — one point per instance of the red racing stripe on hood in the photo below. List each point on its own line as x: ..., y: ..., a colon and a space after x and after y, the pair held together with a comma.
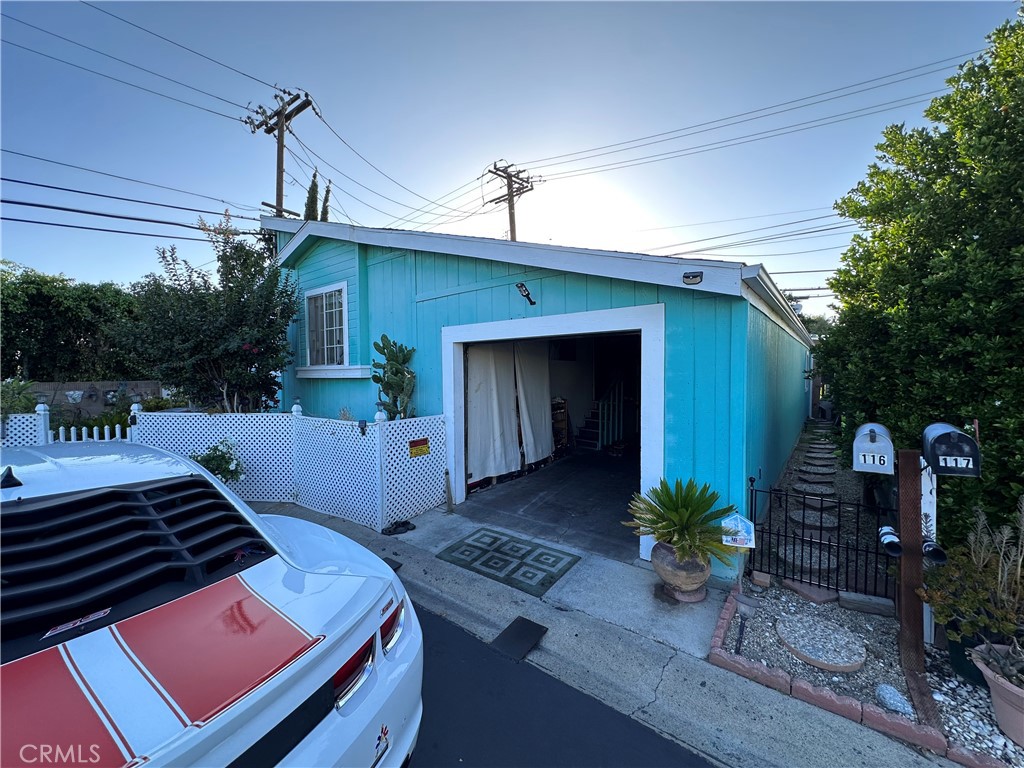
x: 210, y: 648
x: 48, y: 719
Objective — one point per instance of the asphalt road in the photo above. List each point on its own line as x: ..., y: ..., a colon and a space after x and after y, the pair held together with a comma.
x: 480, y: 708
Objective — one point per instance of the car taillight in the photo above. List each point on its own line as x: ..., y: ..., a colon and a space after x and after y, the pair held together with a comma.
x: 353, y: 673
x: 391, y: 629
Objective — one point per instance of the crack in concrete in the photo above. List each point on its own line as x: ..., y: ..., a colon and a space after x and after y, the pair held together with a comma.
x: 657, y: 688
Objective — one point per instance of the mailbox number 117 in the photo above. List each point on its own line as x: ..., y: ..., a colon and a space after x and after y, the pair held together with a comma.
x: 960, y: 462
x: 873, y: 458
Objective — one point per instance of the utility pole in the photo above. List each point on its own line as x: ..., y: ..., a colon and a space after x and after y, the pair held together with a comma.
x: 516, y: 183
x: 277, y: 121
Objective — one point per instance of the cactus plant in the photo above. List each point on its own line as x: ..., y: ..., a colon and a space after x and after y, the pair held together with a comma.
x: 395, y: 380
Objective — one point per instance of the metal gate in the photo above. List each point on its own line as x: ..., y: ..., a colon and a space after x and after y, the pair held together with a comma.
x: 822, y: 541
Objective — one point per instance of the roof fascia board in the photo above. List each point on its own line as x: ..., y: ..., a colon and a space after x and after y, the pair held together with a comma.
x: 719, y: 277
x: 760, y: 290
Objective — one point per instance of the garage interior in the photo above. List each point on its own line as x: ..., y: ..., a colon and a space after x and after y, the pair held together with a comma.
x: 553, y: 440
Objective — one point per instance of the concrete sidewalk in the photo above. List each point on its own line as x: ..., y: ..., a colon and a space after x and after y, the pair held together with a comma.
x: 609, y: 636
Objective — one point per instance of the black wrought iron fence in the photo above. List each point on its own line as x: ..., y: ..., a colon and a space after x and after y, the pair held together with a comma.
x: 821, y: 541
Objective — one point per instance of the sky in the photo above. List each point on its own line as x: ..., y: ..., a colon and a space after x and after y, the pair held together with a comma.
x: 671, y: 128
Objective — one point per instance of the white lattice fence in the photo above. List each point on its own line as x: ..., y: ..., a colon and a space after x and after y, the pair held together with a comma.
x: 24, y: 429
x: 412, y: 462
x: 337, y: 469
x: 265, y: 445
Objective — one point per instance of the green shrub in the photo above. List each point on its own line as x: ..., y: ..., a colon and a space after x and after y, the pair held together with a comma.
x: 222, y: 460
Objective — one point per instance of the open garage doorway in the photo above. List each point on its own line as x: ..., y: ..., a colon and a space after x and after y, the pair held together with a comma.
x: 550, y: 434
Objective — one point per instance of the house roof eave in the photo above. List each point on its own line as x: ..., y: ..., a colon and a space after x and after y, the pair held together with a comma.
x: 720, y: 277
x: 761, y: 291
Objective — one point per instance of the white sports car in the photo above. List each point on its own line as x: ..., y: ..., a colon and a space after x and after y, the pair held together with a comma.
x: 147, y: 615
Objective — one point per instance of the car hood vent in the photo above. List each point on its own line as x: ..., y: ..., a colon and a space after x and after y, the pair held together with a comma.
x: 108, y: 554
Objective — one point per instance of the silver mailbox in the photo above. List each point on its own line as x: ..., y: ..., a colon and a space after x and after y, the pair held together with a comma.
x: 872, y: 450
x: 949, y: 451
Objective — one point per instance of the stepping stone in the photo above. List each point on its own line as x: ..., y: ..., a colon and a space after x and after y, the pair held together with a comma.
x: 815, y: 461
x: 808, y: 557
x: 817, y: 595
x: 822, y: 644
x: 825, y: 446
x: 811, y: 518
x: 808, y: 478
x: 817, y: 470
x: 815, y: 489
x: 820, y: 452
x: 815, y: 503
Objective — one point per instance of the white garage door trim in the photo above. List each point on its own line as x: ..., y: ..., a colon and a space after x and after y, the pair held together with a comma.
x: 648, y: 319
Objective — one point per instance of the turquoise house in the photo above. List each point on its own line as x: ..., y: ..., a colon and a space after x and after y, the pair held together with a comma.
x: 700, y: 363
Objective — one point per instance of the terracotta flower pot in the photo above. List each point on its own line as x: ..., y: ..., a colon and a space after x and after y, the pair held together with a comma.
x: 682, y: 580
x: 1007, y: 701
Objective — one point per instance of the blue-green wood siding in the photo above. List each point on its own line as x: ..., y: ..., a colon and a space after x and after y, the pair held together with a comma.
x: 734, y: 395
x: 777, y: 397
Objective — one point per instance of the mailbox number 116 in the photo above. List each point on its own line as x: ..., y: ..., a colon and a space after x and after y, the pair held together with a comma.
x: 873, y: 458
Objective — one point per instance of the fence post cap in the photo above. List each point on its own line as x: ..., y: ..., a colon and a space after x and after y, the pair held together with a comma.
x: 296, y: 410
x: 136, y: 408
x: 42, y: 408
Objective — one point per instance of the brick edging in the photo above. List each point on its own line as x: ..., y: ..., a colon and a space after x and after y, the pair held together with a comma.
x: 869, y: 715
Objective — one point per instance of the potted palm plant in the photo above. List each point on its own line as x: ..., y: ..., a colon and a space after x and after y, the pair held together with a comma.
x: 1003, y: 668
x: 688, y: 531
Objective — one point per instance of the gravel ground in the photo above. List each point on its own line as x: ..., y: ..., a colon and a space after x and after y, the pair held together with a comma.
x: 965, y: 709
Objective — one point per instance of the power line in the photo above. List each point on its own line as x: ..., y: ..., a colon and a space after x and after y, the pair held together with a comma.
x: 428, y: 210
x: 785, y: 130
x: 319, y: 114
x: 762, y: 109
x: 712, y: 127
x: 802, y: 271
x: 339, y: 208
x: 123, y: 82
x: 101, y: 229
x: 745, y: 231
x: 354, y: 181
x: 183, y: 47
x: 128, y: 178
x: 5, y: 201
x: 738, y: 218
x: 123, y: 61
x: 801, y: 234
x: 125, y: 199
x: 770, y: 255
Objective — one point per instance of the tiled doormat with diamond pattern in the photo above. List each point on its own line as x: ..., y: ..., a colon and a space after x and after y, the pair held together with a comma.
x: 522, y: 564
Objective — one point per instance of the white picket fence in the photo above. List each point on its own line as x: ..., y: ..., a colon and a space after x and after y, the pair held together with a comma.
x: 374, y: 474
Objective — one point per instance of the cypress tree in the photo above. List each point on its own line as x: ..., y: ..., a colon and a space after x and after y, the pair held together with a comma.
x: 311, y: 198
x: 327, y: 197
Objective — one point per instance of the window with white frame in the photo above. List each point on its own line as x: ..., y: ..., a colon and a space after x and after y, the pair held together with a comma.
x: 326, y: 331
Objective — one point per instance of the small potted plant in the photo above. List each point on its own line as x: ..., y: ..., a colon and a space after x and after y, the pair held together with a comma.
x: 1003, y: 668
x: 979, y: 593
x: 687, y: 527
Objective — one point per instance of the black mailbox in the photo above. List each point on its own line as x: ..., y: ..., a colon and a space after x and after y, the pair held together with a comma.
x: 948, y: 451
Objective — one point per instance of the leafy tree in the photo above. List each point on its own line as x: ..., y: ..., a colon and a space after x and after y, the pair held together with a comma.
x: 816, y: 324
x: 931, y: 292
x: 57, y: 329
x: 311, y: 198
x: 222, y: 344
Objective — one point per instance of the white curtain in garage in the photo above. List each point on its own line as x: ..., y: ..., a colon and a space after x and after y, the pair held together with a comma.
x: 533, y: 381
x: 492, y: 442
